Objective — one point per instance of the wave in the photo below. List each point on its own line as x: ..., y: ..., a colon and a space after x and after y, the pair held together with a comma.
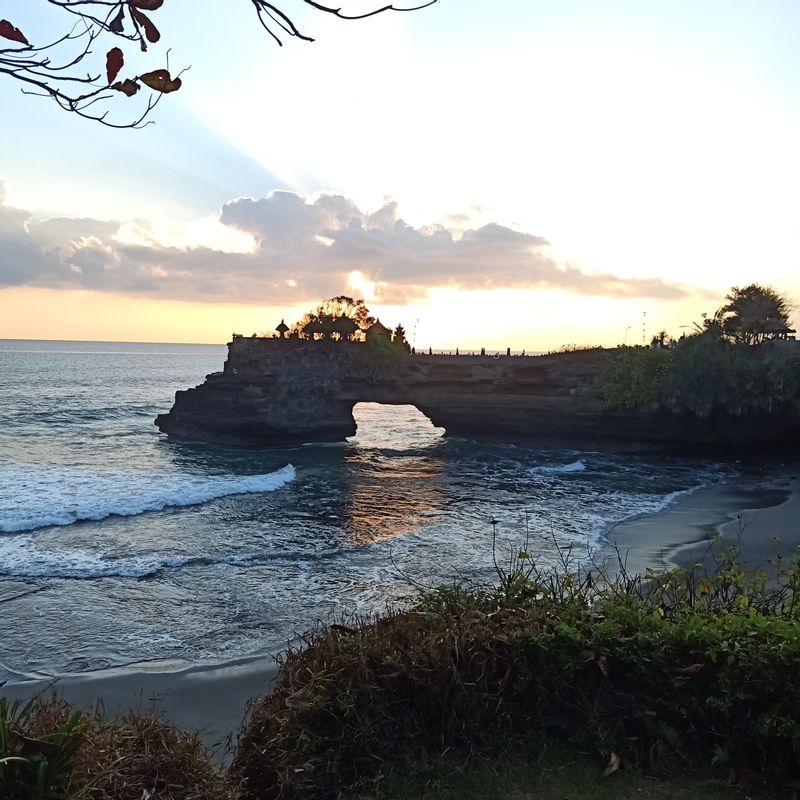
x: 21, y: 558
x: 575, y: 466
x: 38, y: 497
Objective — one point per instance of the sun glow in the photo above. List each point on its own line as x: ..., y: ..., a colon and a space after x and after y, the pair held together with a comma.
x: 363, y: 285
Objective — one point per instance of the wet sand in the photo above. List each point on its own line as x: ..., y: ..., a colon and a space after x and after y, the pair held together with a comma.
x: 757, y: 511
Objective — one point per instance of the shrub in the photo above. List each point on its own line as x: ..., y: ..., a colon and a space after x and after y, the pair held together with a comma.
x: 684, y: 668
x: 636, y: 377
x: 706, y: 374
x: 49, y: 751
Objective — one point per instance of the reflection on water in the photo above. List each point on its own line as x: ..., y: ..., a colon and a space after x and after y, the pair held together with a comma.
x: 386, y: 498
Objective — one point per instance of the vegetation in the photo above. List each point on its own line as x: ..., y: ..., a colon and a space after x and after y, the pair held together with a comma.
x: 751, y: 315
x: 684, y: 671
x: 339, y: 318
x: 51, y: 752
x: 324, y: 317
x: 61, y: 70
x: 706, y: 374
x: 687, y: 672
x: 539, y: 771
x: 636, y: 377
x: 717, y: 369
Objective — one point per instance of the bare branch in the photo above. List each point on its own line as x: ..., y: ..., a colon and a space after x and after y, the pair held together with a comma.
x: 337, y: 12
x: 47, y: 70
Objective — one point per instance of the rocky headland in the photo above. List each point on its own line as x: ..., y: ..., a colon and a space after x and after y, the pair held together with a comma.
x: 277, y: 391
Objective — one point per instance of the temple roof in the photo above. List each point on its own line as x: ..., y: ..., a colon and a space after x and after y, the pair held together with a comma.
x: 315, y: 326
x: 378, y: 327
x: 345, y: 325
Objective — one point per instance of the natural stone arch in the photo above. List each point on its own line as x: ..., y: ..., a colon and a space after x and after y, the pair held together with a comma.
x: 288, y: 391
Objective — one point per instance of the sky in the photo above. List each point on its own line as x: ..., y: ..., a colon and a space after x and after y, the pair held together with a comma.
x: 522, y: 174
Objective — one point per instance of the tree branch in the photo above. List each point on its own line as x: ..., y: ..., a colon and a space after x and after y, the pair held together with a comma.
x: 40, y: 74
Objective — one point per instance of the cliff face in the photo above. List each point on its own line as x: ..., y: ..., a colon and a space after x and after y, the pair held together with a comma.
x: 275, y: 391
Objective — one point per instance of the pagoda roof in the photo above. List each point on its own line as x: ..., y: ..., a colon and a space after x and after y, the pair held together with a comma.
x: 378, y: 327
x: 315, y: 326
x: 345, y: 325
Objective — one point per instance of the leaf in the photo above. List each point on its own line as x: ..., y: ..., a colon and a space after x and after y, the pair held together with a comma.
x: 147, y: 5
x: 8, y: 31
x: 116, y: 24
x: 127, y: 87
x: 114, y: 63
x: 612, y: 766
x: 150, y: 31
x: 160, y: 81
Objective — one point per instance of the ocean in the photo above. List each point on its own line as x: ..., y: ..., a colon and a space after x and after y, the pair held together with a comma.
x: 121, y: 547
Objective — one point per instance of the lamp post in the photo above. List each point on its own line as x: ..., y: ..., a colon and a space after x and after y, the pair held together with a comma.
x: 626, y: 335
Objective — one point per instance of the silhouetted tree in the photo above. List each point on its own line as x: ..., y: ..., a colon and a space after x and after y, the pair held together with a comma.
x: 660, y: 339
x: 326, y: 314
x: 57, y: 69
x: 399, y: 338
x: 753, y: 313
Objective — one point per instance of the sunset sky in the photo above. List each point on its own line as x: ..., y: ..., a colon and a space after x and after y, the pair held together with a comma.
x: 513, y: 173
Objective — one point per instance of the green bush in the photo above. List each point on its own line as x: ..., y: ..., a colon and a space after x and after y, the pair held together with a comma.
x: 705, y: 374
x: 687, y: 668
x: 636, y: 377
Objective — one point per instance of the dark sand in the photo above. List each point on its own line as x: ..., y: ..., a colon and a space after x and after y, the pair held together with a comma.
x: 758, y: 512
x: 748, y: 510
x: 210, y: 699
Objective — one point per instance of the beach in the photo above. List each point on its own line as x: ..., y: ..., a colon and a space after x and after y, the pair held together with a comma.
x: 748, y: 509
x: 757, y: 510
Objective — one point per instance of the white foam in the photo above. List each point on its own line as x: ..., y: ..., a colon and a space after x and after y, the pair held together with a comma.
x: 21, y: 557
x: 575, y: 466
x: 37, y: 497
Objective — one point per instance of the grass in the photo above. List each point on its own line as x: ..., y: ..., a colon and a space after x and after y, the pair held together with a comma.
x: 554, y: 775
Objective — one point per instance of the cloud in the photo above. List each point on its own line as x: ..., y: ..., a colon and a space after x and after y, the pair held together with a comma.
x: 302, y: 248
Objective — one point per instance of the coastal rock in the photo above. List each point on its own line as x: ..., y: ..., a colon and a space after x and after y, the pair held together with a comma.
x: 289, y: 391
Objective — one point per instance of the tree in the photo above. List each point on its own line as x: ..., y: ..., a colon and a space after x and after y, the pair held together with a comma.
x: 326, y: 314
x: 661, y: 339
x: 753, y: 313
x: 399, y: 338
x: 57, y: 69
